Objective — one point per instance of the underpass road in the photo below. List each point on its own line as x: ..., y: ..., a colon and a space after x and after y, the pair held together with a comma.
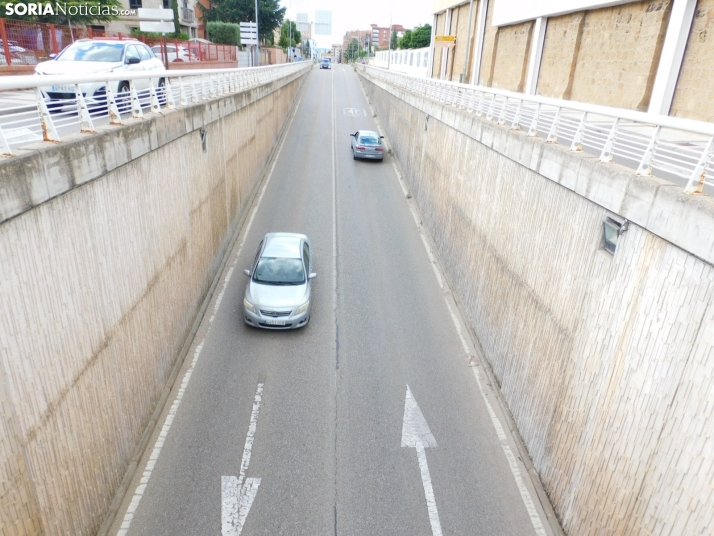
x: 328, y: 428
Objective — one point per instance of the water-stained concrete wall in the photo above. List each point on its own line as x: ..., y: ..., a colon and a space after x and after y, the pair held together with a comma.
x: 109, y: 243
x: 606, y: 362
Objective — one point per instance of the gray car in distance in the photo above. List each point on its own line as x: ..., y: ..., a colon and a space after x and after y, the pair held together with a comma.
x: 367, y: 144
x: 279, y: 291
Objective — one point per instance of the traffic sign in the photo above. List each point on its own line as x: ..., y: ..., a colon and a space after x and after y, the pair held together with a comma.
x: 248, y: 33
x: 444, y: 41
x: 156, y: 20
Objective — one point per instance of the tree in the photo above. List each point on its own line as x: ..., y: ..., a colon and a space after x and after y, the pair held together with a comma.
x: 406, y: 41
x: 289, y: 35
x: 270, y: 14
x: 393, y: 40
x: 352, y: 50
x: 421, y: 36
x: 74, y: 12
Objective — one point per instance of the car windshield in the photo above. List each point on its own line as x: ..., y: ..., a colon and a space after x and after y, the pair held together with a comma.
x: 369, y: 140
x: 279, y: 271
x: 92, y: 52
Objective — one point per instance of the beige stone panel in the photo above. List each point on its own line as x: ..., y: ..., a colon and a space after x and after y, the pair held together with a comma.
x: 511, y: 64
x: 490, y: 48
x: 605, y: 361
x: 460, y: 28
x: 560, y: 54
x: 619, y: 54
x: 440, y: 25
x: 694, y: 94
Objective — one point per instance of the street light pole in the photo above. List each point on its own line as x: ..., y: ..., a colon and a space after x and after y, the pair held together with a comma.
x: 257, y: 36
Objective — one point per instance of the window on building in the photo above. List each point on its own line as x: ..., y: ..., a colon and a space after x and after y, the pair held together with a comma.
x: 134, y: 4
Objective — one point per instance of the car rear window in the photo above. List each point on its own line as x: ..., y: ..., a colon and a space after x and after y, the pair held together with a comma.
x: 92, y: 52
x: 279, y: 271
x: 369, y: 140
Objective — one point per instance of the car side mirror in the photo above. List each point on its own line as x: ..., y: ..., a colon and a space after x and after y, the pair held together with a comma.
x: 133, y: 60
x: 53, y: 56
x: 313, y: 275
x: 352, y: 135
x: 381, y: 137
x: 247, y: 272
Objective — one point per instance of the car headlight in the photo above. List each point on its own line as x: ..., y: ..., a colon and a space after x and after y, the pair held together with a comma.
x: 302, y: 308
x: 249, y: 306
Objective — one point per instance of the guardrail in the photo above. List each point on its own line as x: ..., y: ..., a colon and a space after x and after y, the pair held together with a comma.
x: 675, y: 147
x: 125, y: 95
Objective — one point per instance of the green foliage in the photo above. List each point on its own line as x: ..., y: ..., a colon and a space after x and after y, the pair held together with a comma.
x: 421, y: 36
x: 406, y: 40
x: 78, y: 12
x: 393, y: 40
x: 270, y: 14
x: 352, y: 51
x: 223, y: 33
x: 289, y: 35
x: 175, y: 35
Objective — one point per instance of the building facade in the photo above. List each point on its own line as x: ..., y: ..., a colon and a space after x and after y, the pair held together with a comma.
x: 647, y: 55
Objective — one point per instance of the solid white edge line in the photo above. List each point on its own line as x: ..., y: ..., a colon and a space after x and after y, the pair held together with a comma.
x: 334, y: 208
x: 151, y: 463
x: 248, y: 448
x: 512, y: 463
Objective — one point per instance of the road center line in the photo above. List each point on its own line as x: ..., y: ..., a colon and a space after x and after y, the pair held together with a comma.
x: 151, y: 463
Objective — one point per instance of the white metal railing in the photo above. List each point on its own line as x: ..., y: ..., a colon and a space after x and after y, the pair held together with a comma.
x: 676, y: 148
x: 40, y: 118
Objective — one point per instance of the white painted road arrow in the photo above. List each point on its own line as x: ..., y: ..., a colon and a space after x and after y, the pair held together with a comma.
x: 237, y: 493
x: 416, y: 434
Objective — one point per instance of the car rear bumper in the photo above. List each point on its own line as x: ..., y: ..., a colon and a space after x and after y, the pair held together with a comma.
x: 291, y: 322
x: 368, y: 156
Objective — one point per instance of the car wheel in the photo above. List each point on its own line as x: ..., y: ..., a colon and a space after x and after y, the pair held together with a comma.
x: 354, y: 155
x: 123, y: 98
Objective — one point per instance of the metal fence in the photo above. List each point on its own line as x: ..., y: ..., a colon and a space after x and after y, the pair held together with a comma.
x: 29, y: 43
x: 123, y: 96
x: 678, y: 149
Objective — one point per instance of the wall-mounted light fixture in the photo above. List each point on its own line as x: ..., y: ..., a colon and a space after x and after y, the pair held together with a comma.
x: 204, y: 141
x: 611, y: 231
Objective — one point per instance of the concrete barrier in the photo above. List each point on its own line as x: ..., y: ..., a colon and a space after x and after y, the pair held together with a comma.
x: 109, y: 244
x: 605, y: 361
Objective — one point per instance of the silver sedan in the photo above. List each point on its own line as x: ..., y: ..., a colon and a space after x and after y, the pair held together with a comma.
x: 367, y: 144
x: 278, y: 294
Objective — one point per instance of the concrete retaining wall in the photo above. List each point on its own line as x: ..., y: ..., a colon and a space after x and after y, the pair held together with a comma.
x: 606, y: 362
x: 109, y: 243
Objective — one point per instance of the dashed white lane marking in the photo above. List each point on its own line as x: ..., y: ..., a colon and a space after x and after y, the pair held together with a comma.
x: 148, y: 470
x: 508, y: 452
x: 237, y: 494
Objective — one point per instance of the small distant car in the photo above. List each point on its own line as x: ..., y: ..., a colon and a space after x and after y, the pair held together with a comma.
x: 325, y: 64
x: 183, y: 53
x: 367, y: 144
x: 279, y: 291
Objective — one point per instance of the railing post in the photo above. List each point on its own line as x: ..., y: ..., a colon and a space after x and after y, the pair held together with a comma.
x: 4, y: 145
x: 155, y: 106
x: 516, y: 123
x: 49, y: 132
x: 607, y: 154
x: 136, y: 111
x: 182, y: 92
x: 645, y: 168
x: 696, y: 180
x: 53, y: 39
x: 489, y: 115
x: 553, y: 132
x: 5, y: 44
x: 85, y: 120
x: 169, y: 94
x: 533, y: 130
x: 114, y: 115
x: 577, y: 144
x: 502, y: 115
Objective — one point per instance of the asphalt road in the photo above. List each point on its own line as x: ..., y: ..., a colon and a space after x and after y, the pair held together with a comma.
x: 325, y: 435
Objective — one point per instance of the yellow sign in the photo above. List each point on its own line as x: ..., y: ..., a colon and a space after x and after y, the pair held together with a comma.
x: 444, y: 40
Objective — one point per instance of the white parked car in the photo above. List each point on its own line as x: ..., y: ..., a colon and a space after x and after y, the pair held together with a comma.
x: 90, y: 56
x: 183, y: 53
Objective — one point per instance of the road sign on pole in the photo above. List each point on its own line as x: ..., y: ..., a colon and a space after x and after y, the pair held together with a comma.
x: 248, y: 33
x: 156, y: 20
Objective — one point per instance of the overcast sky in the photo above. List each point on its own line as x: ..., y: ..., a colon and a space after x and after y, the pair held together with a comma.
x: 359, y: 14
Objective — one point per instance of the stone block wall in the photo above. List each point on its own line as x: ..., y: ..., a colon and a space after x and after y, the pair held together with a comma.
x: 606, y: 362
x: 694, y: 96
x: 109, y: 243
